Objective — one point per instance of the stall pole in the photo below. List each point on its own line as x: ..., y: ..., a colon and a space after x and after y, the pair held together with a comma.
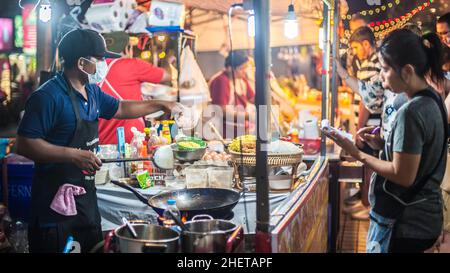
x: 262, y: 62
x: 179, y: 48
x: 325, y: 67
x: 334, y: 196
x: 334, y: 82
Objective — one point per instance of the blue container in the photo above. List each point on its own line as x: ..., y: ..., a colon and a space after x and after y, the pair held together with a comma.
x: 20, y: 176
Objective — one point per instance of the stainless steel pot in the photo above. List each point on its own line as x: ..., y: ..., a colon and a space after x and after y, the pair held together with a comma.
x: 188, y: 156
x: 150, y: 238
x: 210, y: 235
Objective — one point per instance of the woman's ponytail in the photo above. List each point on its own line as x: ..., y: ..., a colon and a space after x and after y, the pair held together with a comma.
x: 425, y: 54
x: 435, y: 56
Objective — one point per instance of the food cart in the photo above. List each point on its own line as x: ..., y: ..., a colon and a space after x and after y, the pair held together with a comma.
x: 295, y: 219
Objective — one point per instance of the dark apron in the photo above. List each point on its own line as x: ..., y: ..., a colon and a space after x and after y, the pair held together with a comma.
x: 49, y: 230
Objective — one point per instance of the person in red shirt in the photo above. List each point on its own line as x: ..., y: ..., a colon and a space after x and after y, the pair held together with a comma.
x: 225, y: 92
x: 123, y: 81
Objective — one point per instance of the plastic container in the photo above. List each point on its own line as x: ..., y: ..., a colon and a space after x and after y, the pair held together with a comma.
x: 220, y: 177
x: 20, y: 176
x: 136, y: 142
x: 121, y: 141
x: 102, y: 175
x: 196, y: 177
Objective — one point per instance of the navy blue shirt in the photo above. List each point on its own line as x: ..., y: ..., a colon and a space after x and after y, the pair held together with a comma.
x: 49, y: 114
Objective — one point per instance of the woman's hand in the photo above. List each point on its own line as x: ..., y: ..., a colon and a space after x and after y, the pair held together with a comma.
x: 344, y: 143
x: 374, y: 140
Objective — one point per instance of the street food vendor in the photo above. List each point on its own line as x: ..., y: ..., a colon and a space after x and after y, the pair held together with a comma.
x: 59, y: 131
x: 123, y: 82
x: 226, y: 92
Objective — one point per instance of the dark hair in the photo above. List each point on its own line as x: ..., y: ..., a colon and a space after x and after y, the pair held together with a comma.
x: 363, y: 34
x: 235, y: 59
x: 357, y: 16
x: 445, y: 19
x: 424, y: 53
x: 414, y: 28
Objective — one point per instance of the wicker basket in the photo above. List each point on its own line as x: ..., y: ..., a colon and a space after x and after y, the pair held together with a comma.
x: 273, y: 160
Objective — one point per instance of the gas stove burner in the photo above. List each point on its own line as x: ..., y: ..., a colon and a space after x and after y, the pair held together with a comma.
x: 229, y: 216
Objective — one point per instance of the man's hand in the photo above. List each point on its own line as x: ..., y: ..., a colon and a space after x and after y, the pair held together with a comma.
x: 373, y: 140
x: 174, y: 108
x: 85, y: 160
x: 342, y: 72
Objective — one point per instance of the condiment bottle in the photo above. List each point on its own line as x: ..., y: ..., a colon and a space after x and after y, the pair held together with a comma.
x: 147, y: 134
x: 147, y: 165
x: 294, y: 136
x: 165, y: 132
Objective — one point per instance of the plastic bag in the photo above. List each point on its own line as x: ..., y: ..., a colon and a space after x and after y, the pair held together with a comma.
x: 193, y: 86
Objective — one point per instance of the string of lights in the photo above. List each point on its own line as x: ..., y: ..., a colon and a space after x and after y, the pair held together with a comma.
x: 374, y: 10
x: 381, y: 28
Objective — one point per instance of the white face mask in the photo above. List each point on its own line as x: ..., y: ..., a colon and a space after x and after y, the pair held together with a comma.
x: 101, y: 69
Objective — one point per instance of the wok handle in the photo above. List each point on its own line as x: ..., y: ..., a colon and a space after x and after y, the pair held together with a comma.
x: 154, y: 248
x: 139, y: 195
x: 235, y: 240
x: 202, y: 216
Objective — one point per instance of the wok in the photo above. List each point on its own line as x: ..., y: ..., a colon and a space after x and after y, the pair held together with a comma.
x: 218, y: 203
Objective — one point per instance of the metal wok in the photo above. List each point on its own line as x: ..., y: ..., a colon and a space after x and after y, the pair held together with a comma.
x: 218, y: 203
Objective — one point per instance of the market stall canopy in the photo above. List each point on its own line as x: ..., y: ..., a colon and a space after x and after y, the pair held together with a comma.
x: 209, y: 21
x: 278, y: 7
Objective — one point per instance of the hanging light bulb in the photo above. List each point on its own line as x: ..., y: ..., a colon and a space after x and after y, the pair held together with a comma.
x: 251, y: 24
x: 45, y: 11
x: 291, y: 23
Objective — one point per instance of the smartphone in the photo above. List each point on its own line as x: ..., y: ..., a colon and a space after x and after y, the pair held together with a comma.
x: 325, y: 126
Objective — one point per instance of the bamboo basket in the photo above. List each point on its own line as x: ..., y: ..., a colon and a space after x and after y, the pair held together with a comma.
x: 273, y: 160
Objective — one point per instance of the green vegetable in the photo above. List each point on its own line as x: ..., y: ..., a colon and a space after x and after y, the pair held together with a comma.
x: 191, y: 144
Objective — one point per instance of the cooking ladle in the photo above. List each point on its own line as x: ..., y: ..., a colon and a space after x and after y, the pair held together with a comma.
x: 130, y: 227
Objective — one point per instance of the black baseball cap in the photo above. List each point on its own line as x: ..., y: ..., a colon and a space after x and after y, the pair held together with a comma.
x: 83, y: 43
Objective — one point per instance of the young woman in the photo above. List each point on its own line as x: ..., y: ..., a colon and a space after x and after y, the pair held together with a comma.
x: 406, y: 204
